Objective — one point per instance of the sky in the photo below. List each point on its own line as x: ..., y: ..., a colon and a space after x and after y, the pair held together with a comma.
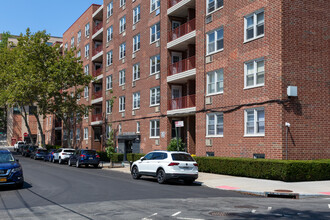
x: 53, y: 16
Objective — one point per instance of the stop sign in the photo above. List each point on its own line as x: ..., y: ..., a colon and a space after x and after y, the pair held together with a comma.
x: 25, y: 134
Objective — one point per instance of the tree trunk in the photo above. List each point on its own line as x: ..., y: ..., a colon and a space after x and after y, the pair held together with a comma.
x: 24, y: 116
x: 40, y: 130
x: 66, y: 128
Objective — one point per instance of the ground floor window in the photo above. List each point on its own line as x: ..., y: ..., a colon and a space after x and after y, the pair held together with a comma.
x: 154, y: 128
x: 254, y: 121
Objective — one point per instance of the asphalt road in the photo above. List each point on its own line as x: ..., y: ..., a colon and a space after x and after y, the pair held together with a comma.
x: 53, y: 191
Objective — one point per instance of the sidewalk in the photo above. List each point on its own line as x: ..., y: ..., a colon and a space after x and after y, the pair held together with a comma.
x: 255, y: 186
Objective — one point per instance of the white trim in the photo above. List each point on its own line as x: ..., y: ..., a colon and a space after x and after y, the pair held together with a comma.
x: 215, y: 81
x: 255, y: 112
x: 255, y: 67
x: 215, y: 124
x: 215, y: 41
x: 155, y: 25
x: 254, y: 14
x: 216, y: 9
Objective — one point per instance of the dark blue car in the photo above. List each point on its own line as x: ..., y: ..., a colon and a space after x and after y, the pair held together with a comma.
x: 84, y: 157
x: 11, y: 172
x: 49, y: 156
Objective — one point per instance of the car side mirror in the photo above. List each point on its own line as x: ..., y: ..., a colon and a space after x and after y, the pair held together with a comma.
x: 17, y: 160
x: 142, y: 159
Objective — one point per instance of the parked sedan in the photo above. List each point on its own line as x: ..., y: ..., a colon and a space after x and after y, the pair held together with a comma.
x: 84, y: 157
x: 62, y: 155
x: 38, y: 153
x: 11, y: 172
x: 28, y: 149
x: 49, y: 156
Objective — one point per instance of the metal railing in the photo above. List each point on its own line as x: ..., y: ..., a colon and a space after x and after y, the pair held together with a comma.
x: 97, y: 117
x: 97, y: 27
x: 182, y: 65
x: 97, y: 72
x: 173, y: 2
x: 97, y: 94
x: 182, y: 102
x: 183, y: 29
x: 98, y: 49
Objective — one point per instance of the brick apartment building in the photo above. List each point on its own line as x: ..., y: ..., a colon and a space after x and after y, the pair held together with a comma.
x: 249, y: 78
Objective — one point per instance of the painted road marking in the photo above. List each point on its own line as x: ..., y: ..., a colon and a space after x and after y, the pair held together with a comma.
x: 325, y: 193
x: 189, y: 218
x: 227, y: 187
x: 253, y: 211
x: 329, y: 206
x: 175, y: 214
x: 148, y: 218
x: 269, y: 208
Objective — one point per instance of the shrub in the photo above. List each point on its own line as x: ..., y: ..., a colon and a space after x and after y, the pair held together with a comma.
x: 172, y: 146
x: 103, y: 156
x: 49, y: 147
x: 134, y: 156
x: 266, y: 169
x: 117, y: 157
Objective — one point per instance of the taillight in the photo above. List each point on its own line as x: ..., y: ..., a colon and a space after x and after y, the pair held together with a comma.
x: 97, y: 156
x: 195, y: 164
x: 38, y: 152
x: 82, y: 155
x: 52, y: 153
x: 173, y: 164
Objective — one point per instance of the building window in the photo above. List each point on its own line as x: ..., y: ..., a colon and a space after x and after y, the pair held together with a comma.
x: 213, y: 5
x: 121, y: 103
x: 66, y: 47
x: 122, y: 51
x: 16, y: 110
x: 154, y: 4
x: 254, y: 25
x: 122, y: 77
x: 86, y: 113
x: 72, y: 42
x: 137, y: 127
x: 108, y: 107
x: 109, y: 58
x: 109, y: 82
x: 155, y: 32
x: 78, y: 134
x: 86, y: 92
x: 108, y: 130
x: 136, y: 14
x: 136, y: 43
x: 254, y: 72
x: 154, y: 64
x: 215, y: 41
x: 136, y: 71
x: 154, y: 96
x: 122, y: 3
x: 87, y: 50
x: 79, y: 37
x: 85, y: 133
x: 215, y: 82
x: 109, y: 33
x: 154, y: 128
x: 87, y: 30
x: 254, y: 122
x: 78, y: 54
x: 71, y: 134
x: 122, y: 24
x: 86, y: 70
x: 110, y: 9
x: 136, y: 100
x: 214, y: 124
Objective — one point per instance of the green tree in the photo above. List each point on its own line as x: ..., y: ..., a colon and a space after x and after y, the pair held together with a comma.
x: 172, y: 146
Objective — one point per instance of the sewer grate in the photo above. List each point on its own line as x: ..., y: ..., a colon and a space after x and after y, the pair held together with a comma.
x: 246, y: 207
x: 283, y: 190
x: 283, y: 195
x: 222, y: 214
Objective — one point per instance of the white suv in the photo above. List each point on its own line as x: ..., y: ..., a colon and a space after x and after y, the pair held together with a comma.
x: 18, y: 145
x: 62, y: 155
x: 166, y: 165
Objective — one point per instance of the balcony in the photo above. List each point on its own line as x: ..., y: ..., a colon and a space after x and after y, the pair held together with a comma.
x: 96, y: 119
x: 182, y: 105
x: 98, y: 53
x: 58, y: 125
x: 97, y: 27
x: 98, y: 49
x: 97, y: 97
x: 97, y: 32
x: 97, y: 72
x: 181, y: 36
x: 182, y: 71
x: 179, y: 8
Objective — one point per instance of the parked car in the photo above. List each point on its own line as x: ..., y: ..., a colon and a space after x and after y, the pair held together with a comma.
x: 49, y: 156
x: 11, y: 172
x: 84, y: 157
x: 62, y: 155
x: 28, y: 149
x: 166, y: 165
x: 18, y: 145
x: 38, y: 153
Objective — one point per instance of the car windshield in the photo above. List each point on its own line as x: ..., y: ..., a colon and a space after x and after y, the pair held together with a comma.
x: 182, y: 157
x: 6, y: 158
x: 89, y: 152
x: 42, y: 151
x: 68, y: 151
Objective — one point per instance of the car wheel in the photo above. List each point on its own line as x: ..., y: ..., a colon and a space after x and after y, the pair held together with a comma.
x: 69, y: 163
x: 60, y: 161
x: 77, y: 164
x: 53, y: 160
x: 135, y: 173
x: 34, y: 157
x: 188, y: 182
x: 161, y: 176
x: 20, y: 185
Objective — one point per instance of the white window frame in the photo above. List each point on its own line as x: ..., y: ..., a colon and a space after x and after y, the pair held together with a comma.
x: 255, y: 73
x: 122, y: 24
x: 155, y: 32
x: 107, y: 131
x: 136, y: 71
x: 85, y: 133
x: 109, y: 33
x: 78, y: 54
x: 109, y: 82
x: 87, y: 50
x: 136, y: 100
x: 216, y: 81
x: 122, y: 3
x: 255, y: 122
x: 79, y: 37
x: 216, y: 6
x: 154, y: 5
x: 108, y: 108
x: 66, y: 46
x: 121, y: 103
x: 110, y: 9
x: 86, y: 92
x: 87, y: 70
x: 136, y: 14
x: 215, y: 32
x: 154, y: 93
x: 122, y: 77
x: 216, y: 114
x: 254, y: 26
x: 72, y: 42
x: 122, y: 51
x: 109, y: 58
x: 153, y: 126
x: 87, y: 30
x: 138, y: 127
x: 155, y: 59
x: 78, y: 134
x: 136, y: 43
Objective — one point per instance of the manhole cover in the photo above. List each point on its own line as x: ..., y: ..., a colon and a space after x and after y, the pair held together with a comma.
x: 246, y: 207
x: 222, y: 214
x: 283, y: 190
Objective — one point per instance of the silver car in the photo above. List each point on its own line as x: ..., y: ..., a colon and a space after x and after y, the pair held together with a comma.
x: 62, y: 155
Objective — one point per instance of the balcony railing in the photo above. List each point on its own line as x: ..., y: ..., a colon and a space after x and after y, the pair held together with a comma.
x: 97, y: 27
x: 181, y: 66
x: 182, y: 30
x: 97, y: 117
x: 58, y: 124
x: 97, y: 94
x: 97, y: 72
x: 173, y: 2
x: 182, y: 102
x: 98, y: 49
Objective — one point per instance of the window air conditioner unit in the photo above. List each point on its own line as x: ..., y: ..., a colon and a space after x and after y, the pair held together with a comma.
x: 208, y: 19
x: 133, y: 112
x: 158, y: 44
x: 133, y: 27
x: 209, y: 142
x: 133, y: 55
x: 123, y: 114
x: 209, y: 59
x: 123, y: 87
x: 157, y: 76
x: 124, y: 33
x: 157, y: 142
x: 208, y: 100
x: 123, y: 60
x: 133, y: 84
x: 157, y: 109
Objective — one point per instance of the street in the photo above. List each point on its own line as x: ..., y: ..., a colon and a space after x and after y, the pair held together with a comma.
x: 53, y: 191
